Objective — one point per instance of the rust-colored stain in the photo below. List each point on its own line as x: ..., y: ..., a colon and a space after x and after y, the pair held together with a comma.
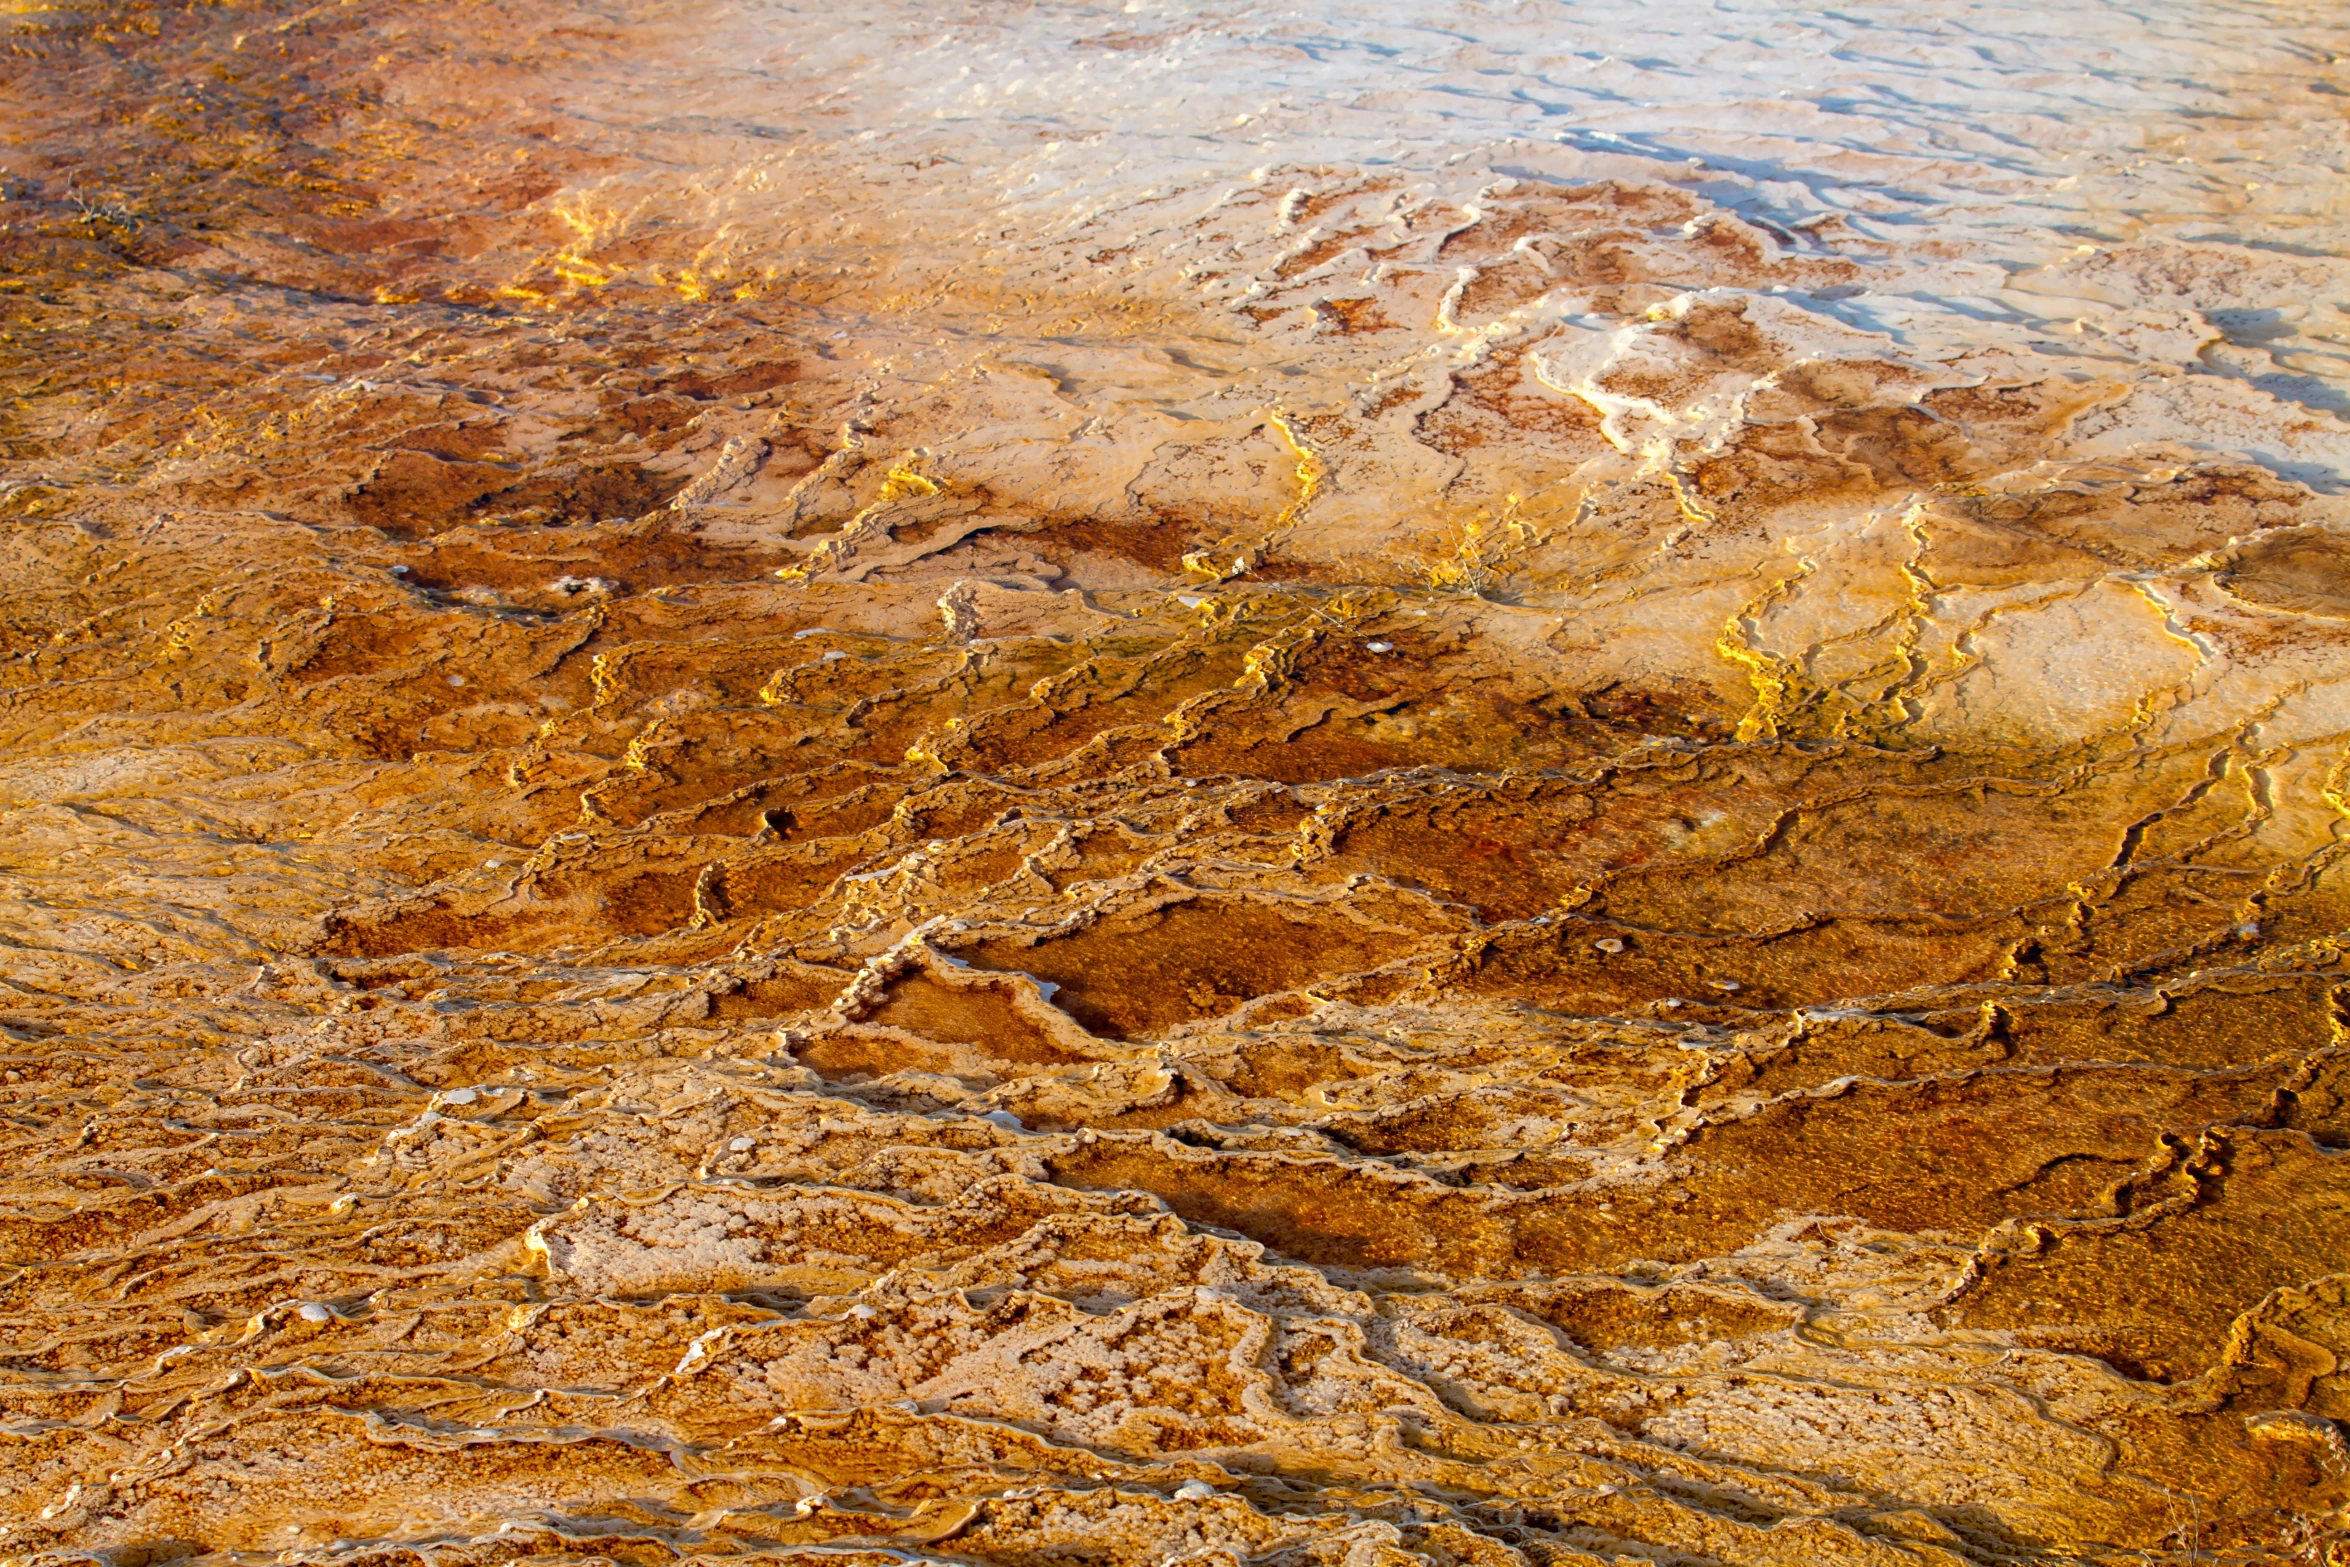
x: 1072, y: 787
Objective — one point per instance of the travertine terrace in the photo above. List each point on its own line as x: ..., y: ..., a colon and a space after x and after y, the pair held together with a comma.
x: 1513, y: 785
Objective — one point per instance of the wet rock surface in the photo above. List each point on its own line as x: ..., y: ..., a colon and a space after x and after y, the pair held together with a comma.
x: 1121, y: 786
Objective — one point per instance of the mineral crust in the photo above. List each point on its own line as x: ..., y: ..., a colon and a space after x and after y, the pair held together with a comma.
x: 1066, y: 786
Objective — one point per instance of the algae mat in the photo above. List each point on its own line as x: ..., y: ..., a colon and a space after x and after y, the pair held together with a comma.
x: 1079, y: 786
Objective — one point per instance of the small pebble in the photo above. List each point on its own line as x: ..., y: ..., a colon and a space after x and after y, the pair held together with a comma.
x: 458, y: 681
x: 458, y: 1096
x: 312, y: 1311
x: 742, y: 1145
x: 1608, y: 944
x: 1723, y: 984
x: 863, y: 1313
x: 1380, y: 647
x: 1194, y: 1491
x: 492, y: 864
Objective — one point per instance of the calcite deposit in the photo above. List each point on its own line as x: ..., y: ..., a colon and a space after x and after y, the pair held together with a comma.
x: 1501, y: 784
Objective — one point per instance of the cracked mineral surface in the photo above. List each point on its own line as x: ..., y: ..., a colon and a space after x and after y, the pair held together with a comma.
x: 1486, y: 782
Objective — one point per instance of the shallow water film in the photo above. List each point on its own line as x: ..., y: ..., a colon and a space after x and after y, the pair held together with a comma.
x: 1080, y: 785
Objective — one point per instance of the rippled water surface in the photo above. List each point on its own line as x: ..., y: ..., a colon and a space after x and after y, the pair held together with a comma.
x: 1511, y: 785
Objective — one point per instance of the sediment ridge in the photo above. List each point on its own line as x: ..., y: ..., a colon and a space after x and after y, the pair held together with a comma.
x: 755, y: 811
